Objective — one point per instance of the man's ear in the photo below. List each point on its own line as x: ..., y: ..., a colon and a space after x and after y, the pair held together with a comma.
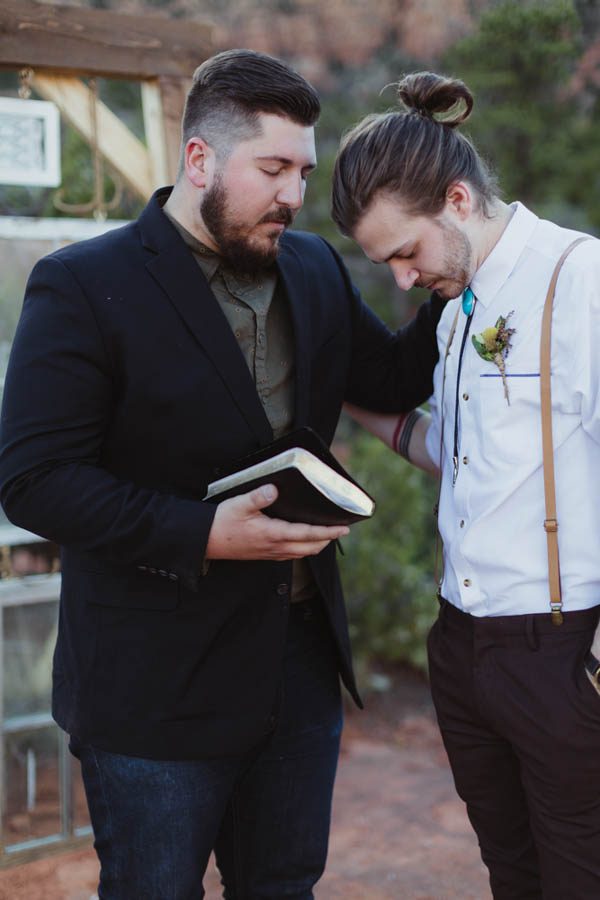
x: 459, y: 200
x: 199, y: 161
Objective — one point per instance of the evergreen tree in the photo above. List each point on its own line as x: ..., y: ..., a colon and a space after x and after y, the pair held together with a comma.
x: 529, y: 121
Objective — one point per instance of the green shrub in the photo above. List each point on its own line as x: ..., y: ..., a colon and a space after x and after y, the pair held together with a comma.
x: 387, y: 569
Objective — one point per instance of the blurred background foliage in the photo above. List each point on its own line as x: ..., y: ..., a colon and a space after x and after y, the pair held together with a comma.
x: 534, y: 67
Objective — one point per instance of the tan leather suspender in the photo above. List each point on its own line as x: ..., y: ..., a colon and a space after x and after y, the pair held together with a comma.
x: 551, y: 522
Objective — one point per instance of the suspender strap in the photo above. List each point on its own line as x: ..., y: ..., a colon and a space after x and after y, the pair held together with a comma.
x: 551, y: 521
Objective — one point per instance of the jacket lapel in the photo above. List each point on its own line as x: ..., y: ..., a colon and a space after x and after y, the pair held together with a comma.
x: 174, y: 268
x: 291, y: 271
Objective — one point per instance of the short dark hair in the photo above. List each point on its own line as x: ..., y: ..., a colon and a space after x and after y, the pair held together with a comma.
x: 414, y: 154
x: 231, y: 89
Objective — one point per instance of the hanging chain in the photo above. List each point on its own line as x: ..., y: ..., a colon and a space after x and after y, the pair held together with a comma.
x: 97, y: 205
x: 25, y: 79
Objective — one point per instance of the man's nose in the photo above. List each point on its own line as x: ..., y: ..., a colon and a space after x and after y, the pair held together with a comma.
x: 291, y: 192
x: 404, y: 274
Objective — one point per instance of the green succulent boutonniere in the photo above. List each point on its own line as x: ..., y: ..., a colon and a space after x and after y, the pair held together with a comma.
x: 493, y: 345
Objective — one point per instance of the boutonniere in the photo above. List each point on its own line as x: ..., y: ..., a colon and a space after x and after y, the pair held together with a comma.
x: 493, y: 345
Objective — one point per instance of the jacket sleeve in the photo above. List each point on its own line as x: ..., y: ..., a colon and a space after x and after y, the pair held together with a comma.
x: 391, y: 372
x: 57, y: 405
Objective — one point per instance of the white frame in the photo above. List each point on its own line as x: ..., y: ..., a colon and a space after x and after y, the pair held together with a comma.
x: 48, y: 175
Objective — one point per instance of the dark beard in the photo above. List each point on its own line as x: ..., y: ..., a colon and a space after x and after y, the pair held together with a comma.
x: 235, y: 249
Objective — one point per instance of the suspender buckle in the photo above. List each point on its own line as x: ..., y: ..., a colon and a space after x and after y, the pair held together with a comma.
x: 556, y: 612
x: 551, y: 525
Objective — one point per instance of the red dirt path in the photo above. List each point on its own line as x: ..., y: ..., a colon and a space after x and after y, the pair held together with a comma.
x: 399, y: 831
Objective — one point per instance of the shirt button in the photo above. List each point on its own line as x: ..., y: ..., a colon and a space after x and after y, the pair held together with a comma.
x: 467, y: 582
x: 465, y: 396
x: 466, y: 460
x: 282, y: 589
x: 462, y: 523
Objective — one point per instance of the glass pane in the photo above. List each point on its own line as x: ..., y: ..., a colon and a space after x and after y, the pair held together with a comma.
x: 17, y: 259
x: 32, y: 785
x: 81, y: 817
x: 29, y: 638
x: 22, y: 559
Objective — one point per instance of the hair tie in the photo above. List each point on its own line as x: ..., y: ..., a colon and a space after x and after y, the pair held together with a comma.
x: 423, y: 112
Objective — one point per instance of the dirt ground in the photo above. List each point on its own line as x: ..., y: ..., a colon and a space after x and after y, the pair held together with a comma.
x: 399, y: 831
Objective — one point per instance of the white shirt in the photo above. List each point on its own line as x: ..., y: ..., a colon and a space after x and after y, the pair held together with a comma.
x: 491, y: 520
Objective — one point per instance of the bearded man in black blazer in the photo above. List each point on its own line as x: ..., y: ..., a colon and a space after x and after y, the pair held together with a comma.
x: 200, y: 646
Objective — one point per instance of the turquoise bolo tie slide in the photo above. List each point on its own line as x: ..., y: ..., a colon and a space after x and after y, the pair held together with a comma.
x: 468, y: 300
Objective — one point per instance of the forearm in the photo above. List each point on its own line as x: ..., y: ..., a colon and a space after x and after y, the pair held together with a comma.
x: 417, y: 453
x: 404, y: 433
x: 87, y: 509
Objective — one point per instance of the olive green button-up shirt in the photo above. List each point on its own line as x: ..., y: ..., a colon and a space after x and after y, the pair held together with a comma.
x: 259, y: 317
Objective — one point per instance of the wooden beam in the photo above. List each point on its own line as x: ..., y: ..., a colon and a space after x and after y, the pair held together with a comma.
x: 76, y: 40
x: 154, y: 130
x: 123, y: 150
x: 173, y: 92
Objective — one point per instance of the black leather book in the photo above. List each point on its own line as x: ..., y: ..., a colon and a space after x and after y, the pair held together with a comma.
x: 313, y: 486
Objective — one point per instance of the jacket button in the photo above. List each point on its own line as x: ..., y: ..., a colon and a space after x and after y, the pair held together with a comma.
x: 282, y: 589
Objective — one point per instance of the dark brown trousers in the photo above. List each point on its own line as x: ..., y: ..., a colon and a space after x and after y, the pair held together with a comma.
x: 521, y: 726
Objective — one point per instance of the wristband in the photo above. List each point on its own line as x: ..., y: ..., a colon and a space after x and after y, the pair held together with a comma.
x: 398, y: 430
x: 403, y: 432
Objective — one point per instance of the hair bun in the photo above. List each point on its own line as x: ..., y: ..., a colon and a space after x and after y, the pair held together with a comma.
x: 445, y: 100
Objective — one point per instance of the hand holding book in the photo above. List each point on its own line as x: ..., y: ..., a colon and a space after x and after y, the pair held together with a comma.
x: 241, y: 531
x: 313, y: 486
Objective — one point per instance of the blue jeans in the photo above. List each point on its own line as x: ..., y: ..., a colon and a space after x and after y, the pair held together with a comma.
x: 265, y: 813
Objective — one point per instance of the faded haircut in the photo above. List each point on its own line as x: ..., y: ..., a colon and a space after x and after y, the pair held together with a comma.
x: 231, y: 90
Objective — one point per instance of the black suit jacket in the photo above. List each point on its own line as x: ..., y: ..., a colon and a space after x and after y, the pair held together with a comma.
x: 126, y: 393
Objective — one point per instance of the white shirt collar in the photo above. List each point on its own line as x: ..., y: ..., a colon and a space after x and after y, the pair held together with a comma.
x: 497, y: 267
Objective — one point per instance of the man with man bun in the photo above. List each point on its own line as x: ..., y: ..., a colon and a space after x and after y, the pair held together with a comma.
x: 514, y: 676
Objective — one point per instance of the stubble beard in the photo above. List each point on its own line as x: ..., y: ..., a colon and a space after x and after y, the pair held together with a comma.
x: 238, y: 250
x: 457, y: 262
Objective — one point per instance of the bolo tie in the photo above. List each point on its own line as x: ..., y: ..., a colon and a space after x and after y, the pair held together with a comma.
x: 469, y: 301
